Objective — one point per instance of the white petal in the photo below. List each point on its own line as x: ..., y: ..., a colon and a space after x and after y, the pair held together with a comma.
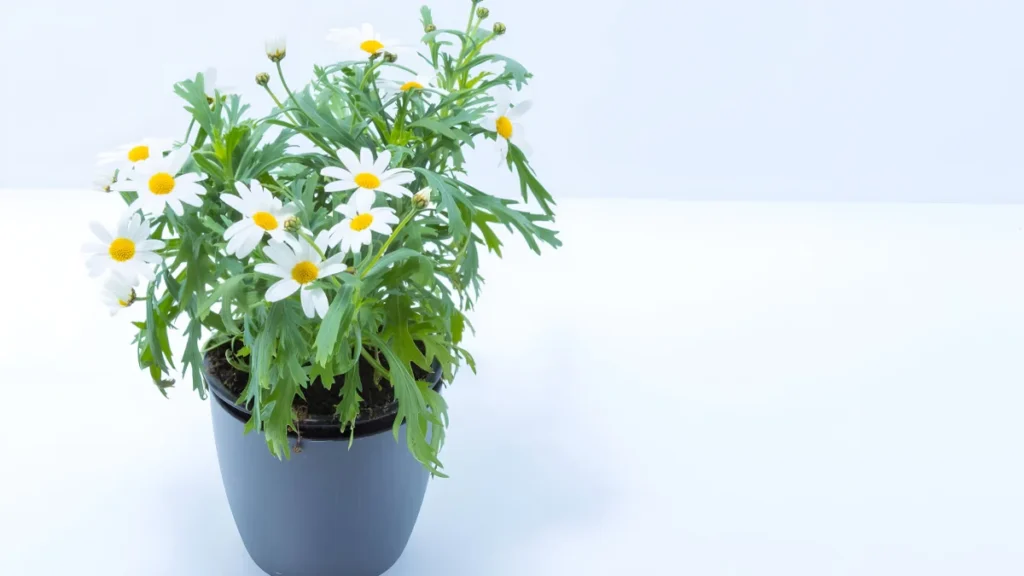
x: 319, y: 301
x: 306, y: 297
x: 520, y: 109
x: 101, y: 232
x: 398, y: 176
x: 380, y: 227
x: 272, y: 270
x: 235, y: 202
x: 365, y: 160
x: 340, y: 186
x: 238, y: 228
x: 394, y: 190
x: 281, y: 254
x: 177, y: 159
x: 383, y: 161
x: 149, y: 245
x: 331, y: 269
x: 282, y: 289
x: 348, y: 159
x: 336, y: 173
x: 176, y: 206
x: 363, y: 200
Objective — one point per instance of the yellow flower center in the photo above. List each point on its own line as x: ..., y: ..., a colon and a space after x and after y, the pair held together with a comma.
x: 122, y: 249
x: 411, y: 84
x: 504, y: 127
x: 371, y: 46
x: 265, y: 220
x: 367, y: 180
x: 361, y: 222
x: 161, y: 183
x: 138, y: 154
x: 123, y: 303
x: 305, y: 272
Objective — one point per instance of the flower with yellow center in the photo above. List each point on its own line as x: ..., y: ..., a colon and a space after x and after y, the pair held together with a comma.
x: 361, y: 221
x: 125, y: 158
x: 262, y: 214
x: 128, y: 252
x: 363, y: 42
x: 119, y: 293
x: 298, y: 264
x: 159, y: 184
x: 364, y: 174
x: 504, y: 122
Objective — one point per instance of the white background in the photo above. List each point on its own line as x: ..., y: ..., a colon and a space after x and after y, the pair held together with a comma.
x: 685, y: 388
x: 914, y: 100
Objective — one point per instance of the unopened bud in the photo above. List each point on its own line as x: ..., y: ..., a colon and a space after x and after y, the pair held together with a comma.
x: 276, y: 48
x: 499, y: 28
x: 482, y: 12
x: 429, y: 28
x: 292, y: 224
x: 422, y: 198
x: 390, y: 56
x: 263, y: 78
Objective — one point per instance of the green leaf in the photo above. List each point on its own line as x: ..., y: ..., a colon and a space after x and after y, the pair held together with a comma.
x: 153, y: 326
x: 348, y: 409
x: 338, y: 319
x: 412, y: 410
x: 225, y: 289
x: 390, y: 258
x: 193, y: 359
x: 397, y: 326
x: 450, y: 200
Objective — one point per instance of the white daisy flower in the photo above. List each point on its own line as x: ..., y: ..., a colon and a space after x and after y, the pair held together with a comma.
x: 365, y: 174
x: 128, y: 252
x: 119, y: 293
x: 362, y: 42
x: 276, y: 47
x: 297, y: 263
x: 126, y: 157
x: 159, y: 184
x: 361, y: 220
x: 262, y: 214
x: 504, y: 120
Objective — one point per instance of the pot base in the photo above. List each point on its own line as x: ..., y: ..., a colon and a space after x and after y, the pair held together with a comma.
x: 329, y: 510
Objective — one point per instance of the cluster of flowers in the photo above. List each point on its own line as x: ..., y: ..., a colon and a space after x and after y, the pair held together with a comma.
x: 152, y: 169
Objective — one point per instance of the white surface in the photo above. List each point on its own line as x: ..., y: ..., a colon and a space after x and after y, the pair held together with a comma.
x: 716, y: 389
x: 732, y: 99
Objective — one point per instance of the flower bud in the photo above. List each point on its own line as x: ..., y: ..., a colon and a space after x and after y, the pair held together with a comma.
x: 292, y: 224
x: 482, y: 12
x: 390, y: 56
x: 276, y: 48
x: 263, y: 78
x: 499, y: 28
x: 422, y: 198
x: 429, y: 28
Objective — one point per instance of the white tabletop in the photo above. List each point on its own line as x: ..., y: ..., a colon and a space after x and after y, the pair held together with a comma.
x: 708, y: 389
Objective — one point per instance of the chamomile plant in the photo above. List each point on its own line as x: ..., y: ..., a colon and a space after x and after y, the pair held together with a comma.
x: 335, y: 234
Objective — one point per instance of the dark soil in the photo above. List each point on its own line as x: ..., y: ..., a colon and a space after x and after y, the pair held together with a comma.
x: 316, y: 402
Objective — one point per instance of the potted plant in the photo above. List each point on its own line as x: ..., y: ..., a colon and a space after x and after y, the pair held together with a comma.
x: 321, y: 262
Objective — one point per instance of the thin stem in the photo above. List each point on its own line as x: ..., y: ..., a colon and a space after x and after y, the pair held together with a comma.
x: 387, y: 243
x: 369, y: 72
x: 280, y: 105
x: 373, y: 362
x: 280, y: 74
x: 295, y: 124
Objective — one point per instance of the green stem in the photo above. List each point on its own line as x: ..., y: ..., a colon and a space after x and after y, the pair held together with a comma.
x: 295, y: 123
x: 387, y: 243
x: 369, y: 72
x: 373, y: 362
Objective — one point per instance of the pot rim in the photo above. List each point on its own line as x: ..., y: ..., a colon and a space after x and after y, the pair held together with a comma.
x: 316, y: 428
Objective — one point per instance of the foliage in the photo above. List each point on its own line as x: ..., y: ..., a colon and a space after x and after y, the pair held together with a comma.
x: 399, y: 303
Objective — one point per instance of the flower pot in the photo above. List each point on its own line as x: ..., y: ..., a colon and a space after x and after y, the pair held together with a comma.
x: 329, y: 510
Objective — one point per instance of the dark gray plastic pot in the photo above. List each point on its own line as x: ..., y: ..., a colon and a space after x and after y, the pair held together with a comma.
x: 330, y: 510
